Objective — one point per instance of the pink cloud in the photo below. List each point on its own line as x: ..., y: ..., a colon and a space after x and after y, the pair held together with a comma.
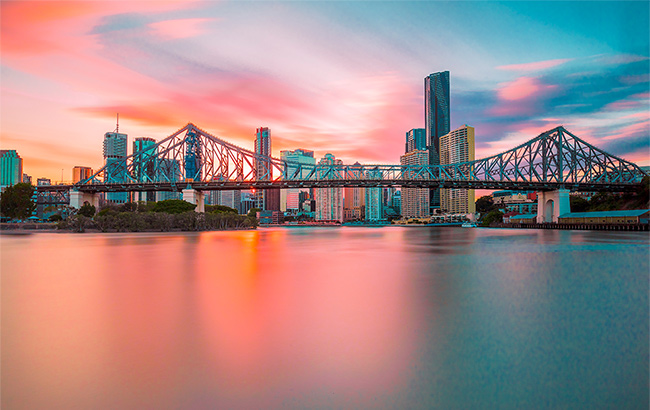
x: 181, y: 28
x: 536, y: 66
x: 522, y: 88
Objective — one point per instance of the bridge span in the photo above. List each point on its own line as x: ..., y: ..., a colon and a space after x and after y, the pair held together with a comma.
x: 192, y: 161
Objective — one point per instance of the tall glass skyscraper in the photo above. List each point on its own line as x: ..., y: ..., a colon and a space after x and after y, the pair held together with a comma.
x: 115, y: 172
x: 436, y: 120
x: 144, y: 165
x: 289, y: 198
x: 266, y: 199
x: 416, y: 139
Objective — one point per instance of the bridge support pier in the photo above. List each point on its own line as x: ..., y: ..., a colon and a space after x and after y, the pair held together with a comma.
x: 552, y: 204
x: 195, y: 197
x: 77, y: 199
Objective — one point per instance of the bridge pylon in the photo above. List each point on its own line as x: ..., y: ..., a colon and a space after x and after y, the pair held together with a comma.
x: 77, y: 199
x: 195, y: 197
x: 552, y: 204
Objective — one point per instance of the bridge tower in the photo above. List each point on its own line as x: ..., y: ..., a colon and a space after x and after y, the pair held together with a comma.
x: 552, y: 204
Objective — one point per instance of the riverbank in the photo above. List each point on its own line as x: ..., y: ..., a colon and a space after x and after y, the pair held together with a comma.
x: 574, y: 226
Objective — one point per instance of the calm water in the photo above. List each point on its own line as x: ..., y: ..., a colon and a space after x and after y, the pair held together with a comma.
x: 326, y: 318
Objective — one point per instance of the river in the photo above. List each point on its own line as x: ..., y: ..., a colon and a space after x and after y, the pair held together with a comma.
x: 347, y: 317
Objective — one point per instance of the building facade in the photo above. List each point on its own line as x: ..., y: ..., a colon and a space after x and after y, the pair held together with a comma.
x: 289, y: 198
x: 266, y: 199
x: 329, y: 201
x: 115, y: 145
x: 374, y: 198
x: 415, y: 201
x: 436, y: 121
x: 81, y: 173
x: 354, y: 202
x: 457, y: 146
x: 416, y: 139
x: 144, y: 165
x: 11, y: 168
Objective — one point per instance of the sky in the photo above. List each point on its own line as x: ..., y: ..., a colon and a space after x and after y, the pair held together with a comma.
x: 339, y: 77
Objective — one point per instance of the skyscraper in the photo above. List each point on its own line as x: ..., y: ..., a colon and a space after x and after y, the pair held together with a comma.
x: 416, y: 139
x: 115, y: 172
x: 415, y: 201
x: 354, y: 202
x: 11, y: 167
x: 436, y: 121
x: 144, y: 165
x: 289, y: 197
x: 457, y: 146
x: 329, y: 201
x: 374, y: 198
x: 266, y: 199
x: 81, y: 173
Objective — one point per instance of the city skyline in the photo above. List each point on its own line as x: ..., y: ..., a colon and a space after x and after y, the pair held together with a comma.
x: 160, y: 66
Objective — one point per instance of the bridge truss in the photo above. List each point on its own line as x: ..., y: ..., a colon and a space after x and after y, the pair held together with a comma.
x: 193, y: 158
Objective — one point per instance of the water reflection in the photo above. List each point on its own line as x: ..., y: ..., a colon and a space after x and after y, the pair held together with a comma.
x: 325, y: 317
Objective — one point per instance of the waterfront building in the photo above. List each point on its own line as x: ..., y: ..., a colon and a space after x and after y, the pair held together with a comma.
x: 354, y: 202
x: 289, y: 198
x: 11, y: 167
x: 329, y: 201
x: 636, y: 216
x: 415, y: 202
x: 416, y: 139
x: 523, y: 202
x: 266, y: 199
x: 457, y: 146
x: 374, y: 198
x: 436, y: 121
x: 27, y: 179
x: 81, y: 173
x: 247, y: 202
x: 115, y: 145
x: 145, y: 157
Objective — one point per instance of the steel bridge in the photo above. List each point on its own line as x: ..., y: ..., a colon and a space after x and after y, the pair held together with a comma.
x: 191, y: 158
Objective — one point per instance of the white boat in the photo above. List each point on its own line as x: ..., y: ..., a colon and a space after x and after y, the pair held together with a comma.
x: 469, y: 225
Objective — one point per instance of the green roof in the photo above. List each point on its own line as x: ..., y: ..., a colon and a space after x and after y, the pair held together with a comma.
x: 525, y: 216
x: 606, y: 214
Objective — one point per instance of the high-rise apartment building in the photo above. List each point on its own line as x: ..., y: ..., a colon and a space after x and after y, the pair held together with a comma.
x: 354, y: 203
x: 457, y: 146
x: 416, y: 139
x: 115, y: 145
x: 329, y: 201
x: 145, y: 157
x: 289, y: 198
x: 266, y: 199
x: 11, y: 167
x: 81, y: 173
x: 27, y: 179
x: 415, y: 201
x: 374, y: 198
x: 436, y: 121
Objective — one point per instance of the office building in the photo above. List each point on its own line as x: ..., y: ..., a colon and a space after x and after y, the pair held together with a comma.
x: 11, y: 167
x: 27, y: 179
x: 329, y: 201
x: 415, y: 202
x: 43, y: 181
x: 354, y: 203
x: 455, y: 147
x: 436, y: 121
x: 266, y: 199
x: 115, y: 145
x: 289, y: 198
x: 81, y: 174
x: 374, y: 198
x: 145, y: 157
x: 416, y: 139
x: 229, y: 198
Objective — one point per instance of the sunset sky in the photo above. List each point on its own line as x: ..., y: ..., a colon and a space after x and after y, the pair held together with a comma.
x: 339, y: 77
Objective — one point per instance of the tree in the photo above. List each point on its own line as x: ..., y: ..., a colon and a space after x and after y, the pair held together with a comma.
x: 128, y: 207
x: 253, y: 212
x: 173, y: 206
x: 220, y: 209
x: 87, y: 210
x: 16, y: 201
x: 485, y: 204
x: 492, y: 216
x: 55, y: 218
x: 578, y: 204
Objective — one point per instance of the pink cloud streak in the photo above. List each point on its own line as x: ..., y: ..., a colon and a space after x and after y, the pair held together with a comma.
x: 536, y: 66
